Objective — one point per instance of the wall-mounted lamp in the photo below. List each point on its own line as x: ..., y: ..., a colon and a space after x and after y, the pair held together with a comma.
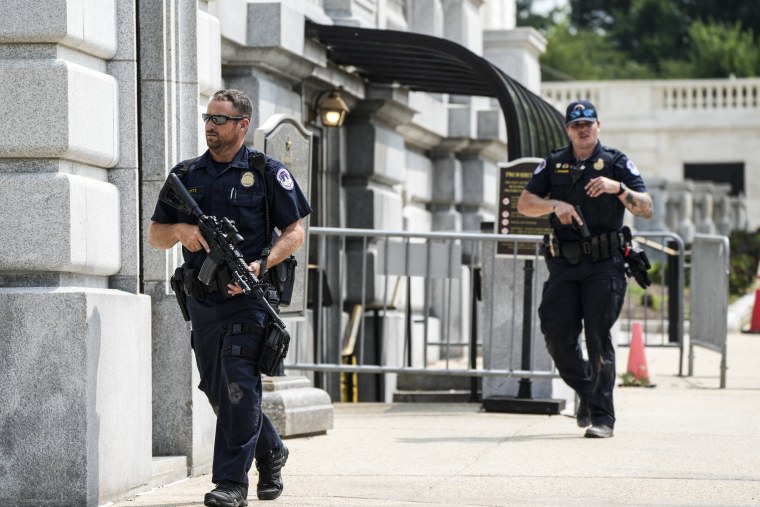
x: 331, y: 108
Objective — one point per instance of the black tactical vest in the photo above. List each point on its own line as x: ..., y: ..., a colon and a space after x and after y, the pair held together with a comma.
x: 567, y: 181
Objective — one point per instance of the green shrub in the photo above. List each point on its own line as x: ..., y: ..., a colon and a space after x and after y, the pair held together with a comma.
x: 744, y: 257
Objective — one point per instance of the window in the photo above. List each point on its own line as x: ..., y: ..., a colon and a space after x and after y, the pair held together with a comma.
x: 718, y: 172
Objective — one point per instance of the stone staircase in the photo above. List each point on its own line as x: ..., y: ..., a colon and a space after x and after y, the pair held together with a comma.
x: 426, y: 388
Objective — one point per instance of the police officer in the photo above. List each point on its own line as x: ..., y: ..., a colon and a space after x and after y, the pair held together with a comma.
x: 587, y: 283
x: 224, y: 184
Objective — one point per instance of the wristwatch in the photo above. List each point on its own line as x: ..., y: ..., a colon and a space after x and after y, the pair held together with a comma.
x: 622, y: 189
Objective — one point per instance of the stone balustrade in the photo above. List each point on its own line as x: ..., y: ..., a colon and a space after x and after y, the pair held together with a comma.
x: 689, y: 207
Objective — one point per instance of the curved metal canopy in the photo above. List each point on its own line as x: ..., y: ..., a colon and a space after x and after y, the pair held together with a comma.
x: 431, y: 64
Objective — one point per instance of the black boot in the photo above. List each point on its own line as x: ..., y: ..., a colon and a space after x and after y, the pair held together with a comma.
x: 583, y: 414
x: 270, y: 480
x: 227, y: 494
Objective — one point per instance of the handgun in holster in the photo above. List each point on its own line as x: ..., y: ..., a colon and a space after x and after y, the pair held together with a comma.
x: 177, y: 282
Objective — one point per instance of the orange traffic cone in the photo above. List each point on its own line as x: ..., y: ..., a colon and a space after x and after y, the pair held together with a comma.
x: 754, y: 326
x: 637, y: 361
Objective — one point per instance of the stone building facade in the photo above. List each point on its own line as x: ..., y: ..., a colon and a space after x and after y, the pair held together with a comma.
x: 102, y: 97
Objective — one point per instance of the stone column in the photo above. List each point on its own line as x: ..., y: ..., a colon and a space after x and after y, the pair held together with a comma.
x: 499, y: 15
x: 516, y: 52
x: 657, y: 189
x: 680, y: 206
x: 75, y: 341
x: 183, y: 422
x: 426, y: 17
x: 375, y: 165
x: 703, y: 207
x: 462, y: 23
x: 722, y: 211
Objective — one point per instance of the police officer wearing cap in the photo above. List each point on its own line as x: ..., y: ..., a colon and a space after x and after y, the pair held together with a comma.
x: 585, y: 184
x: 225, y: 321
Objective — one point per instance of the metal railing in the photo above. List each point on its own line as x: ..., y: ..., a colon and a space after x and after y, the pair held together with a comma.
x: 399, y: 302
x: 709, y: 298
x: 660, y: 308
x: 410, y: 303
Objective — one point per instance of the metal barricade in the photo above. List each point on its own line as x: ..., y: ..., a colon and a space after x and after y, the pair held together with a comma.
x: 409, y: 303
x: 661, y: 307
x: 412, y: 303
x: 709, y: 298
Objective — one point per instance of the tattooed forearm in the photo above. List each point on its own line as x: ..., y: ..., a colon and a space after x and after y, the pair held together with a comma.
x: 639, y: 203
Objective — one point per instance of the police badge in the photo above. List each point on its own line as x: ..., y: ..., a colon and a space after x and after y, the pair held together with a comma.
x: 247, y: 179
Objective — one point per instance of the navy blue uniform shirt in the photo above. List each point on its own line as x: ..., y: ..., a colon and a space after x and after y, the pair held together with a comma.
x: 561, y: 176
x: 236, y: 191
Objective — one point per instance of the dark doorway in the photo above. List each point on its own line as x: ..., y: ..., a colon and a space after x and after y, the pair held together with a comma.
x: 718, y: 172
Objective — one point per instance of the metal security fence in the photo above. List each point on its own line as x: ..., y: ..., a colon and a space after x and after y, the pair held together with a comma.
x: 384, y: 303
x: 709, y: 298
x: 688, y: 302
x: 661, y: 307
x: 397, y: 302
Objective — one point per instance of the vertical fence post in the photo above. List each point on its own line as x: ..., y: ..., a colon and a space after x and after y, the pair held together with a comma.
x: 675, y: 298
x: 526, y: 385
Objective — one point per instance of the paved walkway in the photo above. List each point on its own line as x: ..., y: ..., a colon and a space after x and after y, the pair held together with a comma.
x: 684, y: 442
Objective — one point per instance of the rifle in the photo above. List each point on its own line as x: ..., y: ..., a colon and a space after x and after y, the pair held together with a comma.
x: 223, y: 240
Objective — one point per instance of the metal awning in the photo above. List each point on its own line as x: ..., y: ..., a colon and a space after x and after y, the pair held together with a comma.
x: 431, y: 64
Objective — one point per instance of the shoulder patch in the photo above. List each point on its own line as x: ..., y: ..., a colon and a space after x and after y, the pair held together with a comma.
x: 285, y: 179
x: 632, y: 167
x: 540, y: 167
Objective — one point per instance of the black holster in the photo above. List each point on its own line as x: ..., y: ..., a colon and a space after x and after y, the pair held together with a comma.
x: 282, y: 278
x: 274, y: 349
x: 177, y: 282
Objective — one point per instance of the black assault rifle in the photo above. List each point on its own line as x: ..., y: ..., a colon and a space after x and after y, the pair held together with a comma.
x: 223, y: 240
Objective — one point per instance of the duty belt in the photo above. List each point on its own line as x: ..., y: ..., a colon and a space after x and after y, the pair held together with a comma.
x: 599, y: 248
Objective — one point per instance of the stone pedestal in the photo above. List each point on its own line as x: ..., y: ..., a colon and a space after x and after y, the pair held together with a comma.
x: 502, y: 328
x: 75, y: 373
x: 295, y: 407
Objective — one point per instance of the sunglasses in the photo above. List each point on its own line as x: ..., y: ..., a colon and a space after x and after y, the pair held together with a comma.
x: 220, y: 119
x: 585, y: 113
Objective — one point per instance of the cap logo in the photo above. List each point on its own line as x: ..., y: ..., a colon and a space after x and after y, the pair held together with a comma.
x: 580, y: 111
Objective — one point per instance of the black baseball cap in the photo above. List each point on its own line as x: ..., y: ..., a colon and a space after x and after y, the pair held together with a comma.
x: 580, y: 110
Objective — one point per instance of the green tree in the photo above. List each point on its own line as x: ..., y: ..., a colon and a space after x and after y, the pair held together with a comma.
x: 633, y: 39
x: 719, y: 50
x: 649, y: 30
x: 585, y: 55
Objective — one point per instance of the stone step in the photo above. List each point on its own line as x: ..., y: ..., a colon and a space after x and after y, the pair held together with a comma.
x: 166, y: 470
x: 442, y: 396
x: 423, y: 382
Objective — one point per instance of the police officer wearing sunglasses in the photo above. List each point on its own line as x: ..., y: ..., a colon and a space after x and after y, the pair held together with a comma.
x: 226, y: 322
x: 586, y: 188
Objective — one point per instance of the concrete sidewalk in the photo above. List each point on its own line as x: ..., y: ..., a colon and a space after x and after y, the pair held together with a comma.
x: 684, y: 442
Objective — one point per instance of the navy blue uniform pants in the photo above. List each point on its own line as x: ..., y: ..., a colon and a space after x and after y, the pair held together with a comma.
x: 587, y: 296
x: 232, y: 383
